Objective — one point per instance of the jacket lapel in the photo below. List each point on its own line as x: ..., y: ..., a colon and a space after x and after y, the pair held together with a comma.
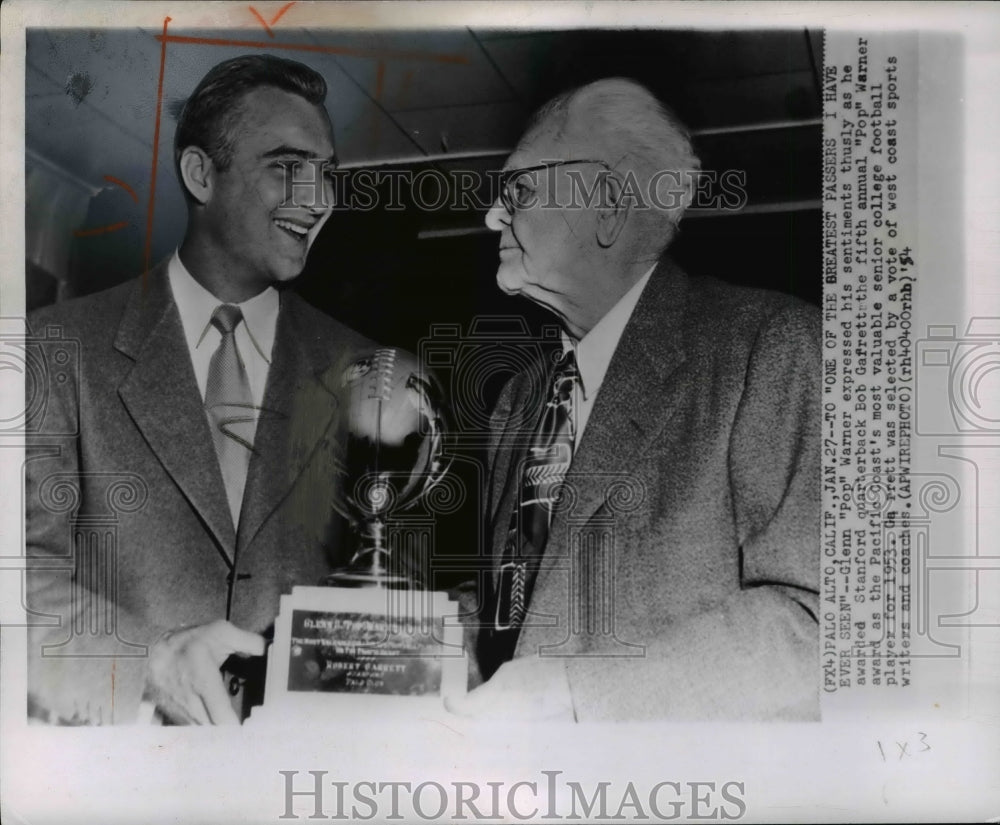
x: 635, y: 402
x: 522, y: 412
x: 517, y: 427
x: 638, y: 395
x: 161, y: 394
x: 300, y: 403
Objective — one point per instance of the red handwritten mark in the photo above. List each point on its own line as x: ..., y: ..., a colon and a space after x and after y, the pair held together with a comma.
x: 263, y: 22
x: 156, y: 146
x: 100, y: 230
x: 111, y: 227
x: 348, y: 51
x: 164, y: 38
x: 123, y: 185
x: 274, y: 20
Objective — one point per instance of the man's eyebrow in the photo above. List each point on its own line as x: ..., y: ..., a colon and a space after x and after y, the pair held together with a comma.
x: 295, y: 152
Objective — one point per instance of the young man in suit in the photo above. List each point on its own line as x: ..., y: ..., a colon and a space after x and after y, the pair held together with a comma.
x: 182, y: 478
x: 676, y: 575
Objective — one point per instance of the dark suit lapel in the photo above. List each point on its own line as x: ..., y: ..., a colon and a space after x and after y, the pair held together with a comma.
x: 521, y: 413
x: 635, y: 402
x: 635, y: 399
x: 161, y: 394
x: 299, y: 405
x: 518, y: 412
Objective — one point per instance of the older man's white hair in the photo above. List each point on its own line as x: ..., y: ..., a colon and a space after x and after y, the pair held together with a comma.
x: 636, y: 132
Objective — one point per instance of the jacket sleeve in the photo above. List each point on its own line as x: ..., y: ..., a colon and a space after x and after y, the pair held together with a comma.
x: 79, y: 670
x: 753, y: 656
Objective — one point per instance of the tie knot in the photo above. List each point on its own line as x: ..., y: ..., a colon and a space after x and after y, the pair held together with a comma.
x: 226, y: 318
x: 565, y: 373
x: 566, y: 362
x: 566, y: 366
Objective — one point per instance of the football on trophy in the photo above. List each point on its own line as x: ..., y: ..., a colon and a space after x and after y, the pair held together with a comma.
x: 393, y: 435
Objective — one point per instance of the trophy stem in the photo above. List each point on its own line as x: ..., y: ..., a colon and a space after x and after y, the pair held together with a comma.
x: 370, y: 565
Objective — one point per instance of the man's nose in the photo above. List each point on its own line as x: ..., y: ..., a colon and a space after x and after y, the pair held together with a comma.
x: 323, y: 195
x: 497, y: 217
x: 327, y: 199
x: 309, y: 187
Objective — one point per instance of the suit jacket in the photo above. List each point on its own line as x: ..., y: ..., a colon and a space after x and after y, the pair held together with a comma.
x: 128, y: 532
x: 680, y: 578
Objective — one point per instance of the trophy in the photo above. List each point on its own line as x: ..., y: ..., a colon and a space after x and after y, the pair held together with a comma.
x: 393, y: 458
x: 372, y: 633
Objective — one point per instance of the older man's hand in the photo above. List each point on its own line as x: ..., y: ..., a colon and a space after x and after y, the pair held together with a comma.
x: 524, y: 689
x: 184, y: 679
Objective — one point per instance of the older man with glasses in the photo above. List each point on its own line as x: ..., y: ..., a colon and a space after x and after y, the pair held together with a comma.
x: 656, y: 528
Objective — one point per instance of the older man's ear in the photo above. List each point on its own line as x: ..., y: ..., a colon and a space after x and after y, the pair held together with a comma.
x: 611, y: 217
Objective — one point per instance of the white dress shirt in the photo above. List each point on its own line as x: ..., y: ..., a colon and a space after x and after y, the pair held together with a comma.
x: 595, y: 349
x: 254, y: 337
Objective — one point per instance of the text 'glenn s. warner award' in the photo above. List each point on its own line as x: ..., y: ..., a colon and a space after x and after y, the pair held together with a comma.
x: 374, y: 636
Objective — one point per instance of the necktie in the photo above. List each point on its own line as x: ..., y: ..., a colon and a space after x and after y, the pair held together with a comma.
x: 229, y: 407
x: 543, y: 472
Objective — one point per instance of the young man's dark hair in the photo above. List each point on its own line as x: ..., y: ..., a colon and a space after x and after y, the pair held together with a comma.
x: 209, y: 117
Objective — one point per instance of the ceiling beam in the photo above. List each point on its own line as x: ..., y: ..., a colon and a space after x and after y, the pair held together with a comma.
x: 483, y: 154
x: 694, y: 214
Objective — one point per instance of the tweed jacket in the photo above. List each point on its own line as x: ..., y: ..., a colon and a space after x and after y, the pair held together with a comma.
x: 128, y: 533
x: 680, y: 578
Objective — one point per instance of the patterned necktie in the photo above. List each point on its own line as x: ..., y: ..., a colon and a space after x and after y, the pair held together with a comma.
x: 542, y: 475
x: 229, y: 407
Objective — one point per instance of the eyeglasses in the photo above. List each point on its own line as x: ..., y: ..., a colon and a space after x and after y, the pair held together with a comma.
x: 517, y: 186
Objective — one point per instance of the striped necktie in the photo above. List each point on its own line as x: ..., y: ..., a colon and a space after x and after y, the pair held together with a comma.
x: 542, y: 475
x: 229, y: 407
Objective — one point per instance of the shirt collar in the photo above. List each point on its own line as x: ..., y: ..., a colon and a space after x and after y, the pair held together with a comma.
x: 595, y: 349
x: 196, y: 305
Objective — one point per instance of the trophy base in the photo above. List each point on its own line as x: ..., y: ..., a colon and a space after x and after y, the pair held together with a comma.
x: 340, y: 649
x: 356, y: 578
x: 372, y: 566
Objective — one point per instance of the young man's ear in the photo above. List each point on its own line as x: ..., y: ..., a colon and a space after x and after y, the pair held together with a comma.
x: 613, y: 212
x: 197, y: 173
